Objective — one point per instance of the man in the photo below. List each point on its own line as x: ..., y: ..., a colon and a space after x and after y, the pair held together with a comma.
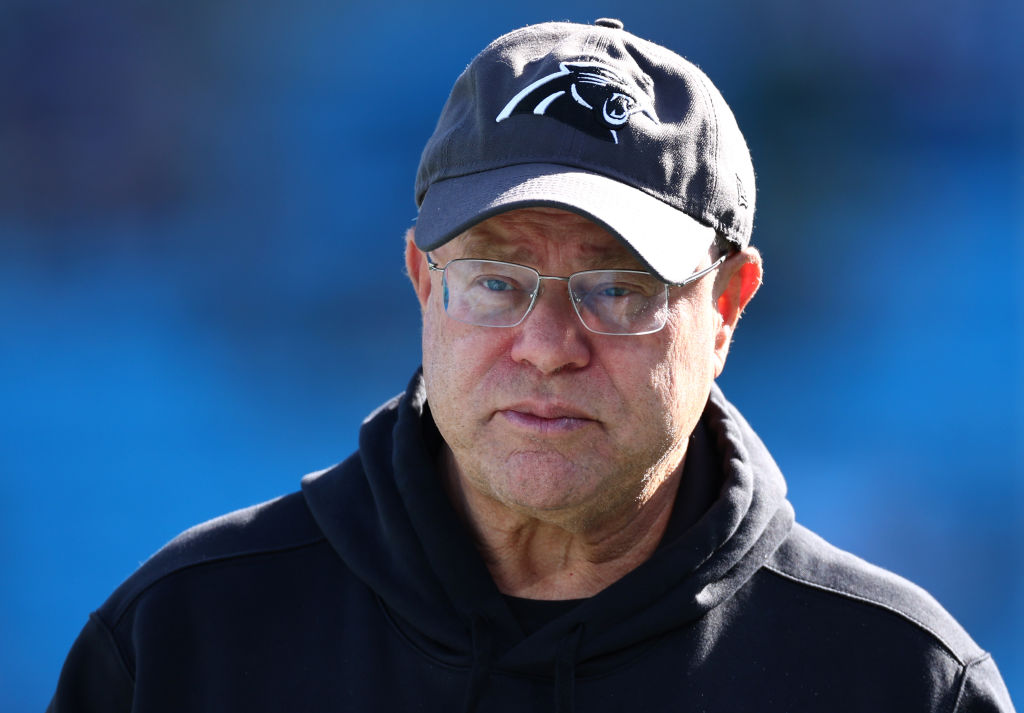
x: 562, y: 511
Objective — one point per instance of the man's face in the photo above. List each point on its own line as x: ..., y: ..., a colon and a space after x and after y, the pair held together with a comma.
x: 549, y: 419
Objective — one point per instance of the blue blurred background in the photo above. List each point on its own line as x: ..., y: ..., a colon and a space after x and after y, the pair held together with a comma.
x: 201, y: 291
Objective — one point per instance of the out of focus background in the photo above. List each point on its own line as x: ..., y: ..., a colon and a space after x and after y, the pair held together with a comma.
x: 201, y: 292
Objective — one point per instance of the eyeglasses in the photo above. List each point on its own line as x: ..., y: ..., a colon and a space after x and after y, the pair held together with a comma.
x: 491, y: 293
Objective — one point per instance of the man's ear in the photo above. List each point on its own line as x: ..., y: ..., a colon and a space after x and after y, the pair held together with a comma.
x: 416, y: 268
x: 738, y: 280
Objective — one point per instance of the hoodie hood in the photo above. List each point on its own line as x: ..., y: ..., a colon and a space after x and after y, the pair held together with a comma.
x: 404, y: 540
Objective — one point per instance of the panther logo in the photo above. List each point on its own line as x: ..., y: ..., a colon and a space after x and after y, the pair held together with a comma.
x: 591, y: 96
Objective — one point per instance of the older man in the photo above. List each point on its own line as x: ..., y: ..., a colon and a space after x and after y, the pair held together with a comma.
x: 562, y: 512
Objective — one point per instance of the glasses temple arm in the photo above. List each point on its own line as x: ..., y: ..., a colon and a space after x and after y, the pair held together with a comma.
x: 712, y: 268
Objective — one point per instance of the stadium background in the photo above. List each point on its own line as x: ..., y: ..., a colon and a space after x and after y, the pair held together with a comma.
x: 201, y: 290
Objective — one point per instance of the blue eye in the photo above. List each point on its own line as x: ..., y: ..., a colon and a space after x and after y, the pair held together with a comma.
x: 496, y: 285
x: 614, y: 291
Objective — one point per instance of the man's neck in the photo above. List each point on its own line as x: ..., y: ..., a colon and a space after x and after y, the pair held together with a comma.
x: 539, y: 556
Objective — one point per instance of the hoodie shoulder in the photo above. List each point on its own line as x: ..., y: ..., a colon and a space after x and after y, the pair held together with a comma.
x: 807, y: 560
x: 273, y: 526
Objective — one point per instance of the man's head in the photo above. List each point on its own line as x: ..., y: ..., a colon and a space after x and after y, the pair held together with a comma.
x: 595, y: 121
x: 566, y: 149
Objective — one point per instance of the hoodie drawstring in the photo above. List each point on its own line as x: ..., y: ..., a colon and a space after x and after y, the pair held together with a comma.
x: 565, y: 670
x: 481, y: 635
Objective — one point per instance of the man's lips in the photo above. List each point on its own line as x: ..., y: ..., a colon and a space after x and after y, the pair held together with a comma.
x: 546, y: 417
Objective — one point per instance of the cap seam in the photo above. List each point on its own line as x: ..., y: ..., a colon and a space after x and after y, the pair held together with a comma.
x: 714, y: 128
x: 718, y: 144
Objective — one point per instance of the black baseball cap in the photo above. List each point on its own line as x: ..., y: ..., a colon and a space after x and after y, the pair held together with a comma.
x: 591, y: 119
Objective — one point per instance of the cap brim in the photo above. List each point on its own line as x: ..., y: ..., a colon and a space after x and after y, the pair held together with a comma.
x: 669, y: 242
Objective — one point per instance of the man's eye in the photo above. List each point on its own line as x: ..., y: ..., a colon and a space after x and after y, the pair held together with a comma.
x: 496, y: 284
x: 615, y: 291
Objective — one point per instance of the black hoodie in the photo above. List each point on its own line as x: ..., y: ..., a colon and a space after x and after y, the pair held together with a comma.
x: 365, y: 592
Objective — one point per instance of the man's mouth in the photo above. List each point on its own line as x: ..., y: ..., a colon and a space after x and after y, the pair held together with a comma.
x: 546, y: 418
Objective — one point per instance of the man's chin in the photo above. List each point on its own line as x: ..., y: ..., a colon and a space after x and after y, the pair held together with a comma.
x: 543, y: 484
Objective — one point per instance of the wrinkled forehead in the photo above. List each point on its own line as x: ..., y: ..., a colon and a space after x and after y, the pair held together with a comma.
x: 535, y: 234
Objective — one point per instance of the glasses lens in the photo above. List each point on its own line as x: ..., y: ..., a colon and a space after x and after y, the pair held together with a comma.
x: 620, y: 301
x: 489, y: 293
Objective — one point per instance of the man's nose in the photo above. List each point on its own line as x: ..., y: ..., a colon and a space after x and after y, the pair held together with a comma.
x: 552, y: 337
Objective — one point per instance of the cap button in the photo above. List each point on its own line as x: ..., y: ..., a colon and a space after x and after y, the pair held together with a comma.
x: 609, y: 22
